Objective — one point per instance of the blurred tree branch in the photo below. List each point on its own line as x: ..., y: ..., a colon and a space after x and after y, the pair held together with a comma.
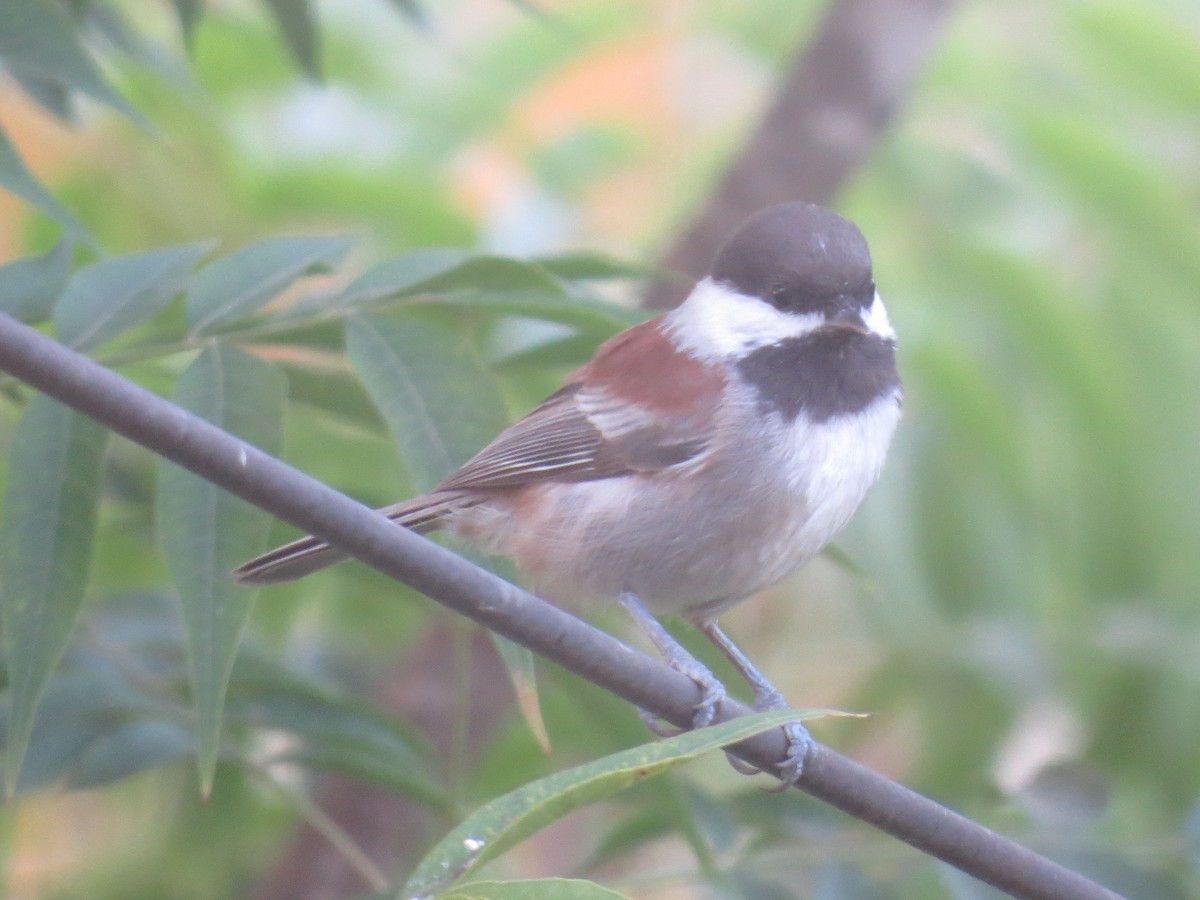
x: 834, y: 104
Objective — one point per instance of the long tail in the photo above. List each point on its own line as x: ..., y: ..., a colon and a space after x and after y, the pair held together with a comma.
x: 309, y: 554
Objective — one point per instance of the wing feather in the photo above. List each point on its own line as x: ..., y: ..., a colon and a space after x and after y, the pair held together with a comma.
x: 640, y: 405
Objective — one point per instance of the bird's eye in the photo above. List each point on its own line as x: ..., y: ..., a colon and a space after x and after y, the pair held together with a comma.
x: 779, y: 295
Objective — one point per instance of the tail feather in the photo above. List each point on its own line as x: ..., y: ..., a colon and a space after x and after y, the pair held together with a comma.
x: 309, y: 554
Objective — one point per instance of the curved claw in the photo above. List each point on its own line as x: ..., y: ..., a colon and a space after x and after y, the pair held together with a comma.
x: 712, y: 692
x: 792, y: 766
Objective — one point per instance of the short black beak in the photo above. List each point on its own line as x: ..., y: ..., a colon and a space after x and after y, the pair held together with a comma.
x: 846, y: 313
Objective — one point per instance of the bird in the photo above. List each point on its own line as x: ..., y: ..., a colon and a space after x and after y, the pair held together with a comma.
x: 698, y: 458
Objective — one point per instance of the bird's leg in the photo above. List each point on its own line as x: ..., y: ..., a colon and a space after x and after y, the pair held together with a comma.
x: 766, y: 696
x: 712, y: 691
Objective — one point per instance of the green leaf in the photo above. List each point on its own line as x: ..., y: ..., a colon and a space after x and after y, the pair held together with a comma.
x: 48, y: 93
x: 235, y: 286
x: 493, y: 284
x: 594, y: 267
x: 17, y: 180
x: 508, y: 820
x: 188, y: 12
x: 128, y: 748
x: 114, y: 295
x: 45, y: 547
x: 396, y: 277
x: 334, y: 731
x: 30, y: 286
x: 520, y: 664
x: 298, y: 23
x: 532, y: 889
x: 205, y: 532
x: 332, y: 391
x: 439, y: 401
x: 38, y: 37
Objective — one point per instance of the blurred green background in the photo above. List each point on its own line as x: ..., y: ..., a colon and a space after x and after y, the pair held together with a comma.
x: 1015, y: 605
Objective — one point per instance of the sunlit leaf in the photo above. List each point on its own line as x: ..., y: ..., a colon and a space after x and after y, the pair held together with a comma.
x: 508, y: 820
x: 114, y: 295
x: 235, y: 286
x: 45, y: 547
x: 206, y: 532
x: 29, y: 287
x: 39, y: 38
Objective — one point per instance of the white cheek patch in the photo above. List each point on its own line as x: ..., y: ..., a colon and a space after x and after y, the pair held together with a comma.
x: 876, y: 320
x: 715, y: 322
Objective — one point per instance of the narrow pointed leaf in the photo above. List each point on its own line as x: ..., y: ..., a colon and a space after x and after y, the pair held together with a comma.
x: 235, y: 286
x: 205, y: 532
x: 17, y: 180
x: 37, y: 37
x: 395, y: 277
x: 45, y: 547
x: 336, y: 392
x: 508, y: 820
x: 188, y: 12
x: 597, y: 267
x: 492, y: 283
x: 114, y: 295
x: 29, y: 287
x: 48, y: 93
x: 439, y: 401
x: 297, y: 22
x: 519, y: 662
x: 532, y: 889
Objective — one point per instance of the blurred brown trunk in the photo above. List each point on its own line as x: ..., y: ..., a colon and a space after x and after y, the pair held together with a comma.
x: 832, y: 108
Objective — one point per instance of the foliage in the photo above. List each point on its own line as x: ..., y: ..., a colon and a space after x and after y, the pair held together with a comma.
x: 1019, y: 613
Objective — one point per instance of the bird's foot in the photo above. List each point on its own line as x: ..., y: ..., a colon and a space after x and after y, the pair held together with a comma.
x: 766, y: 697
x: 791, y: 767
x: 712, y: 691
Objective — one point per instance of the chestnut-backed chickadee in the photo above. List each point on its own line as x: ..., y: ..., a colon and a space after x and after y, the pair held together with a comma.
x: 698, y: 457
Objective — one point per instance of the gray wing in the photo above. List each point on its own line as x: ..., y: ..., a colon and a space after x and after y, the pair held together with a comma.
x: 580, y: 435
